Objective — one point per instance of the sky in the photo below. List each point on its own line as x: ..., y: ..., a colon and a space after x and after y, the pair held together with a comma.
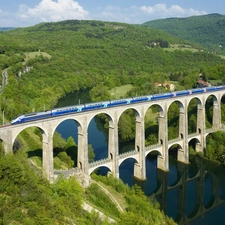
x: 24, y: 13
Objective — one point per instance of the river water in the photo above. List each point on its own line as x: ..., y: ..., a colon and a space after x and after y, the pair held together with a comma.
x: 191, y: 194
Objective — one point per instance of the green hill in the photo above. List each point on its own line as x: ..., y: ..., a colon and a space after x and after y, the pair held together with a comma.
x: 206, y: 30
x: 49, y: 60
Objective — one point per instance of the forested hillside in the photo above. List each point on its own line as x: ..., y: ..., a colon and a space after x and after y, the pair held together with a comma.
x: 71, y: 55
x: 206, y: 30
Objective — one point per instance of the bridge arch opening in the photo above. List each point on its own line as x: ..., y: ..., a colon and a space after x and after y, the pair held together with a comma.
x: 176, y: 120
x: 212, y: 115
x: 195, y: 116
x: 193, y: 146
x: 102, y: 170
x: 128, y: 125
x: 103, y: 142
x: 126, y: 171
x: 152, y: 118
x: 65, y: 145
x: 31, y: 140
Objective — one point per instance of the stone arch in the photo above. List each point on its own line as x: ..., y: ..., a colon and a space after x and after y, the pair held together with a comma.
x: 92, y: 170
x: 196, y: 115
x: 129, y: 157
x: 18, y: 130
x: 106, y: 125
x: 133, y: 119
x: 69, y: 156
x: 39, y: 150
x: 194, y: 144
x: 175, y: 147
x: 152, y: 117
x: 213, y: 111
x: 129, y: 164
x: 176, y: 130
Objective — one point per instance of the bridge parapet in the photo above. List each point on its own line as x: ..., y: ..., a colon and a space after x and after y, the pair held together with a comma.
x: 99, y: 162
x: 151, y: 147
x: 174, y: 140
x: 125, y: 154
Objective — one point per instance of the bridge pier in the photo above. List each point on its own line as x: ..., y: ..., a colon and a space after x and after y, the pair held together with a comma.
x: 163, y: 160
x: 216, y: 123
x: 140, y: 168
x: 201, y: 147
x: 183, y: 153
x: 7, y: 141
x: 47, y: 157
x: 113, y: 145
x: 82, y: 152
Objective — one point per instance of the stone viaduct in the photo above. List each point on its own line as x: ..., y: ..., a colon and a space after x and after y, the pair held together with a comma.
x: 9, y: 133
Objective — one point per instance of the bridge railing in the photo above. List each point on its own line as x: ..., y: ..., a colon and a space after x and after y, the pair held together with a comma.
x: 99, y: 162
x: 174, y: 140
x: 125, y: 154
x: 150, y: 147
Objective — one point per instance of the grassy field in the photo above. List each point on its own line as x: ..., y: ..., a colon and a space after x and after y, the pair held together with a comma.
x: 30, y: 55
x: 120, y: 92
x: 181, y: 47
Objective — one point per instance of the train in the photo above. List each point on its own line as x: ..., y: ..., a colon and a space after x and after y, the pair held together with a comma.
x: 111, y: 103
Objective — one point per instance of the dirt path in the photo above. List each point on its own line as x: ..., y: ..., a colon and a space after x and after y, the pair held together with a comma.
x: 110, y: 195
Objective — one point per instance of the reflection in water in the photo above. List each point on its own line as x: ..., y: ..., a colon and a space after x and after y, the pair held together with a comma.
x: 187, y: 193
x: 191, y: 198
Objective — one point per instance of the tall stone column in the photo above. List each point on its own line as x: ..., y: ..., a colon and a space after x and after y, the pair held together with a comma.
x: 113, y: 146
x: 140, y: 168
x: 163, y: 161
x: 216, y: 123
x: 47, y: 157
x: 7, y: 139
x: 82, y: 155
x: 183, y: 154
x: 201, y: 127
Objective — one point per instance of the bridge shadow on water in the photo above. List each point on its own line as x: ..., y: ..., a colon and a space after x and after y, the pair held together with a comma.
x: 187, y: 193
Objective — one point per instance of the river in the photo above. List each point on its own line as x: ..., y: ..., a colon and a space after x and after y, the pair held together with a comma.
x: 191, y: 194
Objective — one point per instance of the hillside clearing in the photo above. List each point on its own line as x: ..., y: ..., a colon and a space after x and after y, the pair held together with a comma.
x: 121, y: 91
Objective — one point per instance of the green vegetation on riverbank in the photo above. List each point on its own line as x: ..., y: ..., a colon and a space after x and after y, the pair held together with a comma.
x: 27, y: 198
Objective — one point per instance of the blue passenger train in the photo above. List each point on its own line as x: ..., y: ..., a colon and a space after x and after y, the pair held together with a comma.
x: 110, y: 103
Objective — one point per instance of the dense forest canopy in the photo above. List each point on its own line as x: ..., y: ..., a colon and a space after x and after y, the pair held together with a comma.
x: 206, y: 30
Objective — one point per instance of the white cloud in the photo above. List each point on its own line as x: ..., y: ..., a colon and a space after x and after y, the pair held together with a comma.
x: 162, y: 11
x: 137, y: 15
x: 57, y: 10
x: 51, y: 11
